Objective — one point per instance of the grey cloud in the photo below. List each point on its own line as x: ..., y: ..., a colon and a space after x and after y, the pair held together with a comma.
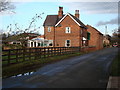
x: 112, y: 21
x: 94, y: 7
x: 89, y: 0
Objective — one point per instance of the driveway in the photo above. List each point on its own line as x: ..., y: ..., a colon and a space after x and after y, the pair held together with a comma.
x: 85, y: 71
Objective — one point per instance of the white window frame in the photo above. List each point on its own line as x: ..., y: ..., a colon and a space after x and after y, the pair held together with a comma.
x: 50, y: 42
x: 49, y: 29
x: 67, y: 30
x: 66, y: 43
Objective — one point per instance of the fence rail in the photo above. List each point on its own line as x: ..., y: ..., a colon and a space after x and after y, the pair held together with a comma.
x: 13, y: 56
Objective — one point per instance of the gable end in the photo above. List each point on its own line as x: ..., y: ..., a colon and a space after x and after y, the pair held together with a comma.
x: 64, y: 18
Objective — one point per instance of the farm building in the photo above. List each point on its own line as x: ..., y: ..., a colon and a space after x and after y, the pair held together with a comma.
x: 65, y: 30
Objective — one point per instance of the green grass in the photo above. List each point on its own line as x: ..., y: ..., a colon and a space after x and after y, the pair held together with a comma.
x: 31, y: 65
x: 115, y: 67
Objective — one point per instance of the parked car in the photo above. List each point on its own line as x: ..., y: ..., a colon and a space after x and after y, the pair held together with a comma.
x: 115, y: 45
x: 118, y: 45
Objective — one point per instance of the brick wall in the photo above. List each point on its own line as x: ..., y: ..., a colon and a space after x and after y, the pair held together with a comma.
x: 61, y: 36
x: 49, y: 35
x: 88, y: 49
x: 96, y: 39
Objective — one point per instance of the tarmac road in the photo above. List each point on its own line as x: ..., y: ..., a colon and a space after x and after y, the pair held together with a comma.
x: 86, y: 71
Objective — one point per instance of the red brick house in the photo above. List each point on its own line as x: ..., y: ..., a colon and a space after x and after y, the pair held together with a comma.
x: 95, y: 37
x: 66, y: 30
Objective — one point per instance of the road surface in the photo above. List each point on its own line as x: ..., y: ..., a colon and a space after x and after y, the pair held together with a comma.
x: 86, y: 71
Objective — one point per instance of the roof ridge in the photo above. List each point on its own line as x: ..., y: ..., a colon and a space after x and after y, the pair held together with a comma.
x: 94, y: 28
x: 53, y: 20
x: 74, y: 18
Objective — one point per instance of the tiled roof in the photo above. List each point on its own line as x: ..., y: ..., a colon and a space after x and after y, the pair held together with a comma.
x: 78, y: 21
x: 94, y: 29
x: 41, y: 36
x: 52, y: 20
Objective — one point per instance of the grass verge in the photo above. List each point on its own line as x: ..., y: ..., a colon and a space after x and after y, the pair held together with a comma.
x: 32, y: 65
x: 115, y: 67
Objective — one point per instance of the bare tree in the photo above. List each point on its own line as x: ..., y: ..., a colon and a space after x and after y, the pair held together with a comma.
x: 6, y: 5
x: 20, y: 34
x: 116, y: 36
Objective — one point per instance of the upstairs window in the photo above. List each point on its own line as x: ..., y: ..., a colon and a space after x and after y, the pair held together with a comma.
x: 49, y: 29
x: 67, y: 30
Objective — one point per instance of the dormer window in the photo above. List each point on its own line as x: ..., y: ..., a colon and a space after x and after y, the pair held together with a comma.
x: 67, y: 30
x: 49, y: 29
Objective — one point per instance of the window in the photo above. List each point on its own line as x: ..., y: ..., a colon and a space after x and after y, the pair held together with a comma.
x: 38, y: 44
x: 14, y: 42
x: 67, y: 43
x: 50, y: 44
x: 88, y: 35
x: 18, y: 43
x: 34, y: 44
x: 49, y: 29
x: 31, y: 44
x: 67, y: 30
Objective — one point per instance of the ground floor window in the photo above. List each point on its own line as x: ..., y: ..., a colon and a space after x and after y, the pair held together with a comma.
x: 84, y: 42
x: 39, y: 44
x: 67, y: 43
x: 31, y: 44
x: 34, y: 44
x: 50, y: 44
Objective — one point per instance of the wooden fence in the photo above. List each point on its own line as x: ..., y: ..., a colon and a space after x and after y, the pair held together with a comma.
x: 13, y: 56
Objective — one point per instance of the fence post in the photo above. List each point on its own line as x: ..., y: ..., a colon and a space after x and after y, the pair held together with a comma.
x: 23, y: 54
x: 44, y: 52
x: 52, y: 51
x: 60, y: 50
x: 29, y: 53
x: 40, y: 52
x: 9, y: 57
x: 71, y: 50
x: 79, y: 49
x: 16, y: 55
x: 57, y: 51
x: 35, y: 53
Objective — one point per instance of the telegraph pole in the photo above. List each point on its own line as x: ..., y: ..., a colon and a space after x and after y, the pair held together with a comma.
x: 105, y: 30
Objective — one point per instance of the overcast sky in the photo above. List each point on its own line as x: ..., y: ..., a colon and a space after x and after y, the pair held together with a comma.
x: 97, y: 8
x: 98, y: 14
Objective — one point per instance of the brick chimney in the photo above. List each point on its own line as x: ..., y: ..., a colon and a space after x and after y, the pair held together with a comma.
x: 77, y: 13
x: 60, y: 12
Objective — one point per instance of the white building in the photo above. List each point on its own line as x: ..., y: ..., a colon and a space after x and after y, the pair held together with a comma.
x: 39, y: 42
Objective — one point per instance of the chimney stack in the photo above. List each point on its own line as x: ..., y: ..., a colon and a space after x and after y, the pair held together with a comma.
x: 60, y: 12
x: 77, y: 13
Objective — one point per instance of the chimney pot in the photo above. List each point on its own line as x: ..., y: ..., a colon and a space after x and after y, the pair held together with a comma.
x: 60, y: 12
x: 77, y: 13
